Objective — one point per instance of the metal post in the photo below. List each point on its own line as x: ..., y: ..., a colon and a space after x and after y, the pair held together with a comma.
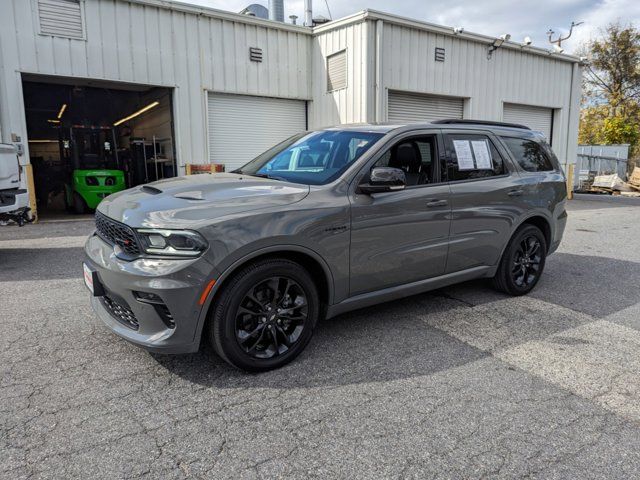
x: 308, y: 13
x: 155, y: 156
x: 115, y: 148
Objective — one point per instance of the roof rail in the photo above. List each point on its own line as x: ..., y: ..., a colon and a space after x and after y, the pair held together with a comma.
x: 449, y: 121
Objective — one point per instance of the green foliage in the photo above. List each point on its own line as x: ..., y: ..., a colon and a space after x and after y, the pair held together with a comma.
x: 611, y: 89
x: 619, y: 130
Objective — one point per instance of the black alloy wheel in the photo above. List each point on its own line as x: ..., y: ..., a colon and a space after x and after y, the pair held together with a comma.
x: 271, y: 317
x: 522, y: 262
x: 525, y: 268
x: 264, y: 315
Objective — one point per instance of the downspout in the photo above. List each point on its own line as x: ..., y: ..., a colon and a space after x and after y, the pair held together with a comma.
x: 379, y: 87
x: 573, y: 118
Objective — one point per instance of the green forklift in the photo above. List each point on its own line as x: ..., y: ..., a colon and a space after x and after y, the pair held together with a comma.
x: 90, y: 154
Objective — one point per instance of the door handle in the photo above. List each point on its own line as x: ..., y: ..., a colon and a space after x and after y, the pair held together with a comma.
x: 436, y: 203
x: 515, y: 193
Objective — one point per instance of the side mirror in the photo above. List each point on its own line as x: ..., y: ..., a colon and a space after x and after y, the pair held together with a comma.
x: 384, y: 179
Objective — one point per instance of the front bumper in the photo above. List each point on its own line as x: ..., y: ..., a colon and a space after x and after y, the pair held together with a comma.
x: 177, y: 282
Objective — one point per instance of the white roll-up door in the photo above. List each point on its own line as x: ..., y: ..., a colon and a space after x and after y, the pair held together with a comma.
x: 241, y: 127
x: 404, y: 107
x: 536, y: 118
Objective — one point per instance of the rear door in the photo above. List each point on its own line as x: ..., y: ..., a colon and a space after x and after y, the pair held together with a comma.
x: 486, y: 196
x: 401, y: 236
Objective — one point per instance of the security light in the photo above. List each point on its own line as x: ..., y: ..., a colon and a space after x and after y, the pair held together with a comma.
x: 458, y: 30
x: 527, y: 41
x: 497, y: 43
x: 505, y: 37
x: 557, y: 49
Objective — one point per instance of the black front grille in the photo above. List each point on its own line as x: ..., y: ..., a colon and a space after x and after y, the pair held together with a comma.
x: 120, y: 312
x: 116, y: 233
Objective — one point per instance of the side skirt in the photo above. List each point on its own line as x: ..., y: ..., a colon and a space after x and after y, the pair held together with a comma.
x: 400, y: 291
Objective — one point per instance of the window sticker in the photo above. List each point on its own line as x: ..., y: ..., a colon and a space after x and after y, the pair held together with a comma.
x: 483, y: 157
x: 464, y: 155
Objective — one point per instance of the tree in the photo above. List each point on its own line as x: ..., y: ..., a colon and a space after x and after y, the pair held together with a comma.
x: 611, y: 91
x: 613, y: 69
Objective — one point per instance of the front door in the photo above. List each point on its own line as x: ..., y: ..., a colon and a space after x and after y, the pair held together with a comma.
x: 402, y: 236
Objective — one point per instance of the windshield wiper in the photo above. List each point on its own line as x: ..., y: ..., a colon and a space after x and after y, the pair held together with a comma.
x: 266, y: 175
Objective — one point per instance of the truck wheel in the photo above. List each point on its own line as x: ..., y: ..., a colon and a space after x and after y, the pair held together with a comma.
x: 265, y: 315
x: 522, y: 262
x: 79, y: 206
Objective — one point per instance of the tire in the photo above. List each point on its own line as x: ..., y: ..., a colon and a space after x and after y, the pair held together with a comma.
x: 266, y: 298
x: 79, y: 206
x: 522, y: 263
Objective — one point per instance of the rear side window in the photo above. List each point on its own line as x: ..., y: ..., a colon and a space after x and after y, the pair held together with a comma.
x: 472, y: 156
x: 529, y: 154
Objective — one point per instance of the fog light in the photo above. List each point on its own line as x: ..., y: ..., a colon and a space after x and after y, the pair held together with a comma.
x: 146, y: 297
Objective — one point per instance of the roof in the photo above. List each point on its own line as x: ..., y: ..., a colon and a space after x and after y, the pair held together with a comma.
x: 361, y: 16
x: 185, y: 7
x: 521, y: 130
x: 370, y: 14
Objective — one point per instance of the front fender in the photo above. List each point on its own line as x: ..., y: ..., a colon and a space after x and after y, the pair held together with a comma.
x: 220, y: 277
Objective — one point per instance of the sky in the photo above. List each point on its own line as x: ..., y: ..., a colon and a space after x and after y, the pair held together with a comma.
x: 520, y: 19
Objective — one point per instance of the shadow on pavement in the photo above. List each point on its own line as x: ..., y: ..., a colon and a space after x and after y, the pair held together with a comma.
x: 597, y: 286
x: 394, y: 341
x: 19, y: 264
x: 376, y: 344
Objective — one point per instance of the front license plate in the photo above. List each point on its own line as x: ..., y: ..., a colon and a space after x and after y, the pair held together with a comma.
x: 88, y: 277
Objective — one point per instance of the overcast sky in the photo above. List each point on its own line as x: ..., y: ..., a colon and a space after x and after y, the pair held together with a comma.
x: 520, y: 19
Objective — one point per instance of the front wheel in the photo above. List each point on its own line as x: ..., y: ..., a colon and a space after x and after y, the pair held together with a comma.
x: 265, y: 315
x: 522, y: 262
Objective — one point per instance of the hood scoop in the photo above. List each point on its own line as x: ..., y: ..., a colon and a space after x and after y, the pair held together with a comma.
x: 151, y: 190
x: 193, y: 195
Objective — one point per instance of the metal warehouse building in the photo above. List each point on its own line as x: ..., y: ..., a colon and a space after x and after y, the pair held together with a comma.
x: 158, y: 85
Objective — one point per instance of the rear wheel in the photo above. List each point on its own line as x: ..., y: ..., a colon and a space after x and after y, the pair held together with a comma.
x: 522, y: 262
x: 265, y: 315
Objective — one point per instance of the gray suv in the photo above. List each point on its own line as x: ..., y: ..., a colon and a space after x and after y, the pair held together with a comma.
x: 326, y: 222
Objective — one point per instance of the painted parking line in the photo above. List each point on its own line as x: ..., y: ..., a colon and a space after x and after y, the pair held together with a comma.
x: 597, y: 360
x: 53, y: 242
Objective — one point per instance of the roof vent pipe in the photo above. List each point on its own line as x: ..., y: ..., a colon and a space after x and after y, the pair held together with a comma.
x: 276, y: 10
x: 308, y: 13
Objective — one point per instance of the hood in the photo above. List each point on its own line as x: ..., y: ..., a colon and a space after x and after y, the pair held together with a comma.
x: 195, y: 200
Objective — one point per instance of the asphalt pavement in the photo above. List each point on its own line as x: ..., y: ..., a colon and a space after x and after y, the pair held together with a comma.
x: 461, y: 382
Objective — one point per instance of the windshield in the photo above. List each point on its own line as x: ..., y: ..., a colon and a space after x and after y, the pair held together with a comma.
x: 314, y: 158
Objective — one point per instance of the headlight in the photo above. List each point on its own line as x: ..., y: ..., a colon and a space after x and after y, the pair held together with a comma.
x: 178, y: 243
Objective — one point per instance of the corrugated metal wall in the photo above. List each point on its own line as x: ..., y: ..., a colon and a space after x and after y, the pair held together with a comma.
x: 158, y: 43
x: 136, y: 43
x: 509, y: 76
x: 353, y: 103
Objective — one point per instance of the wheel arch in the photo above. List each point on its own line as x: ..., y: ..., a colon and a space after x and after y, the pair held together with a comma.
x: 537, y: 220
x: 306, y: 257
x: 542, y: 223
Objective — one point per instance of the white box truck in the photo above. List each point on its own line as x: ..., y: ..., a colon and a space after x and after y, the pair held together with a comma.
x: 14, y: 199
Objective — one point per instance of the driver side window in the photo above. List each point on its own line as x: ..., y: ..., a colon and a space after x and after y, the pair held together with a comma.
x: 415, y: 156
